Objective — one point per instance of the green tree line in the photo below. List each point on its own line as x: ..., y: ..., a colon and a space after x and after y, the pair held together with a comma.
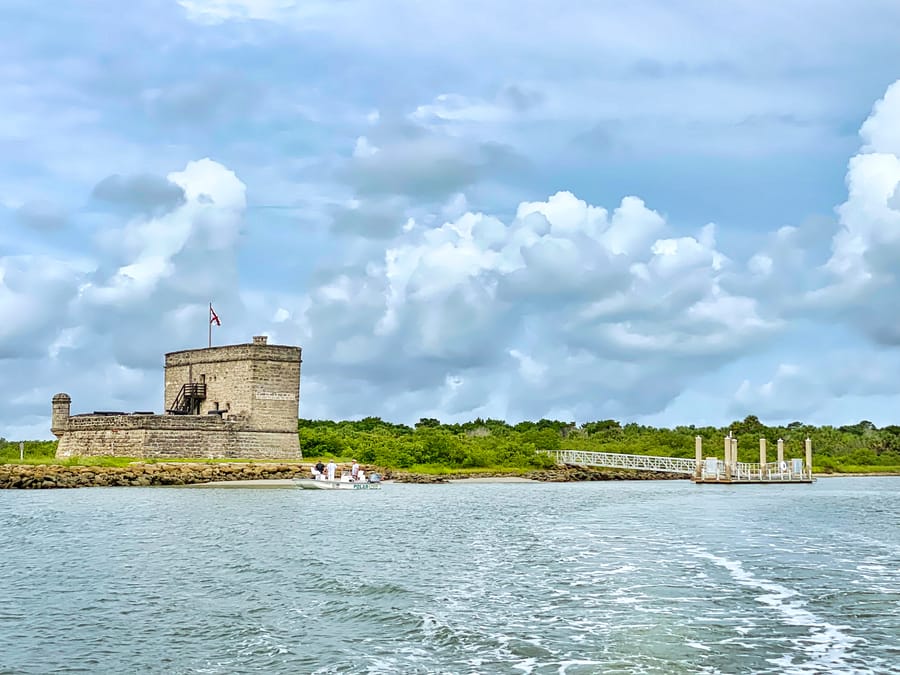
x: 9, y: 450
x: 489, y: 443
x: 495, y: 443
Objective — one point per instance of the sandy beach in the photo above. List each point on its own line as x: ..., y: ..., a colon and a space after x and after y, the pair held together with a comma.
x: 289, y: 483
x: 263, y: 483
x: 494, y: 479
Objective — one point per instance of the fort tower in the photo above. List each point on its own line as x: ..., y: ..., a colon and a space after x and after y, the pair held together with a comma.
x: 238, y: 401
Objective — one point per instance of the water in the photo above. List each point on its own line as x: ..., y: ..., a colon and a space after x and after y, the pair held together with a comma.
x: 636, y: 577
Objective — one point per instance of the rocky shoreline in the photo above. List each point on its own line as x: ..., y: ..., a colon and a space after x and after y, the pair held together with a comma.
x: 138, y: 474
x: 47, y: 476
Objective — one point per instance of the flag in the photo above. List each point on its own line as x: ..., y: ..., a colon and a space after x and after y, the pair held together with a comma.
x: 213, y: 317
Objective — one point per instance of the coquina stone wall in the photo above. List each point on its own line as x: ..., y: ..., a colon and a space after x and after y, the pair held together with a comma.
x: 258, y: 382
x: 256, y: 388
x: 162, y: 436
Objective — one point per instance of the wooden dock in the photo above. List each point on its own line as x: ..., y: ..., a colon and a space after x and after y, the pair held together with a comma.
x: 752, y: 481
x: 716, y: 471
x: 729, y: 471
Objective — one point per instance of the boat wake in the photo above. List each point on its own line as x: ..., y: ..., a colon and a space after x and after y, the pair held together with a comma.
x: 827, y: 648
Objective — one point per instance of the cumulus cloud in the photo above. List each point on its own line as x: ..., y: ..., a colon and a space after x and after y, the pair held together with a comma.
x: 34, y: 295
x: 143, y: 192
x: 442, y: 296
x: 792, y: 391
x: 862, y: 278
x: 569, y: 306
x: 425, y: 165
x: 98, y: 329
x: 158, y: 248
x: 169, y: 266
x: 403, y: 171
x: 803, y: 387
x: 564, y: 298
x: 870, y: 227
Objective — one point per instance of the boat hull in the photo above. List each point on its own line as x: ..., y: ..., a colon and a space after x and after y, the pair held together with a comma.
x: 312, y: 484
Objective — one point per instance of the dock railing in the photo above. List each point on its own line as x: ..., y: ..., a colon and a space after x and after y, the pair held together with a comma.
x: 709, y: 468
x: 714, y: 469
x: 615, y: 460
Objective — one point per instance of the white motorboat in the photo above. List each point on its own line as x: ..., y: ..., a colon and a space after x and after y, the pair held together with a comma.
x: 344, y: 483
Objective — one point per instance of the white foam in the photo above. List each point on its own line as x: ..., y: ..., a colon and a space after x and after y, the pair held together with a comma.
x: 626, y: 600
x: 565, y: 665
x: 828, y: 646
x: 526, y: 666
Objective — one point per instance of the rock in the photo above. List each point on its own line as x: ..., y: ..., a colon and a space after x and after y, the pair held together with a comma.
x: 13, y: 476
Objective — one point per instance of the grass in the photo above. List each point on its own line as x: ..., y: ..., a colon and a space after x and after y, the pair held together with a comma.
x: 867, y: 468
x: 42, y: 452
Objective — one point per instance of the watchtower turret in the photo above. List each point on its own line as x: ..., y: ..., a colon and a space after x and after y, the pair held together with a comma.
x: 62, y: 404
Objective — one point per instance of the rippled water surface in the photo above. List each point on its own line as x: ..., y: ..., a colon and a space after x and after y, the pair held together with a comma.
x: 653, y: 577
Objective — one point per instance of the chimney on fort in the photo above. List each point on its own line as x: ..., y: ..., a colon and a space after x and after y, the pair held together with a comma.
x: 260, y: 339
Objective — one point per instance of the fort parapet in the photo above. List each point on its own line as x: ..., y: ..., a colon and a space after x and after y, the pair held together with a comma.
x: 236, y: 401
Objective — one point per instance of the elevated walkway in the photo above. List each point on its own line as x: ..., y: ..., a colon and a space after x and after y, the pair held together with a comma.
x: 709, y: 470
x: 615, y: 460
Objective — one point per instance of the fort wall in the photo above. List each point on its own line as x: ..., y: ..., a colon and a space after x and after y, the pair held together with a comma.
x: 257, y: 382
x: 250, y: 410
x: 170, y: 436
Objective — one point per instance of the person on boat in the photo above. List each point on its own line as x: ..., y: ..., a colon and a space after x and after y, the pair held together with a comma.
x: 354, y: 471
x: 331, y: 469
x: 361, y: 476
x: 319, y: 469
x: 316, y: 473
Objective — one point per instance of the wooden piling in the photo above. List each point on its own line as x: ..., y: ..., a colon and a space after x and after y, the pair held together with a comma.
x: 698, y: 456
x: 762, y: 458
x: 734, y: 456
x: 728, y: 457
x: 808, y: 445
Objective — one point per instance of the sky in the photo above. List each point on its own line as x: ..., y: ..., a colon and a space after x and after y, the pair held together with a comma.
x: 668, y: 212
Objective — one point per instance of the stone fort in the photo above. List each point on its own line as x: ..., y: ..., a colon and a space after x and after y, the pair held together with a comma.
x: 237, y: 401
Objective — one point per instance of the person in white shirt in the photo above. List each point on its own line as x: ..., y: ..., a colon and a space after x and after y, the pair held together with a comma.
x: 361, y: 476
x: 330, y: 469
x: 354, y: 471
